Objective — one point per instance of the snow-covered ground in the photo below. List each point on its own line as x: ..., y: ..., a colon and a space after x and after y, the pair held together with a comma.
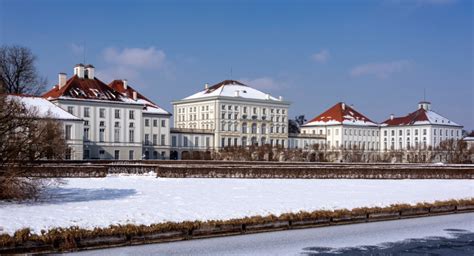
x: 145, y: 200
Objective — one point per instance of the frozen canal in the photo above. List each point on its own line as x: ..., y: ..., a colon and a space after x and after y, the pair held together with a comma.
x: 100, y: 202
x: 440, y: 235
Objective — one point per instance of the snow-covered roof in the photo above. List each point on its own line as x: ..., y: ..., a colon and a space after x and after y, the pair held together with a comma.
x: 127, y: 91
x: 420, y: 117
x: 232, y: 88
x: 43, y: 107
x: 341, y: 114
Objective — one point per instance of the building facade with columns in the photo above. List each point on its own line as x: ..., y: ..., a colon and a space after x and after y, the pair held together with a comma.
x: 236, y: 114
x: 119, y: 122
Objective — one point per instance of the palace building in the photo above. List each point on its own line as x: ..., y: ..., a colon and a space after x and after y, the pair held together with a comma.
x: 115, y: 121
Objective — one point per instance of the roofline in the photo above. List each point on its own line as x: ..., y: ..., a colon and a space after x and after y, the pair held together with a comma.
x: 174, y: 102
x: 354, y: 125
x: 95, y: 100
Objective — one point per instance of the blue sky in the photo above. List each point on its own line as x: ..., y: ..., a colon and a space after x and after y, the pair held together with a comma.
x: 377, y: 55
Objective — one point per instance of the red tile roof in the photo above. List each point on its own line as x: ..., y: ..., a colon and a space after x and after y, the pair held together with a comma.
x: 410, y: 119
x: 341, y: 112
x: 84, y: 88
x: 117, y: 85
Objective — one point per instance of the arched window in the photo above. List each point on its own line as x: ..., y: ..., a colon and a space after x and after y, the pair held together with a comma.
x: 244, y: 141
x: 254, y: 128
x: 264, y: 129
x: 244, y: 128
x: 254, y: 141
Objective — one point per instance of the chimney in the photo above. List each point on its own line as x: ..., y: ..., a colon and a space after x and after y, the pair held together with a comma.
x: 134, y: 95
x: 90, y: 71
x: 267, y: 96
x: 79, y: 70
x: 237, y: 93
x: 206, y: 86
x: 343, y: 105
x: 125, y: 84
x: 61, y: 80
x: 391, y: 116
x: 280, y: 98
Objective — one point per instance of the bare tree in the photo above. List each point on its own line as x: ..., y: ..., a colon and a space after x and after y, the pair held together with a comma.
x: 18, y: 73
x: 25, y: 137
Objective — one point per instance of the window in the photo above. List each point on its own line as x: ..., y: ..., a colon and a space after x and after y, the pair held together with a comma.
x: 101, y: 135
x: 424, y: 131
x: 130, y: 154
x: 155, y: 122
x: 86, y: 112
x: 393, y: 132
x: 400, y: 133
x: 208, y: 142
x: 131, y: 136
x: 163, y: 140
x: 384, y: 133
x: 173, y: 141
x: 86, y: 154
x: 70, y: 110
x: 147, y: 139
x: 254, y: 128
x: 155, y: 139
x: 223, y: 107
x: 416, y: 132
x: 222, y: 142
x: 102, y: 112
x: 185, y: 141
x: 86, y: 134
x: 117, y: 135
x: 245, y: 109
x: 116, y: 154
x: 131, y: 114
x: 101, y: 123
x: 196, y: 141
x: 117, y: 113
x: 229, y: 107
x: 244, y: 128
x: 131, y: 125
x: 68, y: 132
x: 86, y: 123
x: 147, y: 122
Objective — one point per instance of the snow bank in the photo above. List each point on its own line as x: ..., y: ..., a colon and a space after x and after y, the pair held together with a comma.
x: 93, y: 202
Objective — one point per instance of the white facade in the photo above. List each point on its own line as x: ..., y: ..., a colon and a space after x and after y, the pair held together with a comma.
x: 119, y: 123
x: 72, y: 125
x: 237, y: 114
x: 422, y: 129
x: 344, y: 128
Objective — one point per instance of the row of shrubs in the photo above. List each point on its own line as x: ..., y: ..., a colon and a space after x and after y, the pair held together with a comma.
x: 313, y: 172
x: 73, y: 238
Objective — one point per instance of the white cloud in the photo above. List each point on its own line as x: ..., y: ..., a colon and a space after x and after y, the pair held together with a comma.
x: 380, y: 69
x: 138, y: 58
x: 321, y: 56
x: 134, y: 64
x: 262, y: 83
